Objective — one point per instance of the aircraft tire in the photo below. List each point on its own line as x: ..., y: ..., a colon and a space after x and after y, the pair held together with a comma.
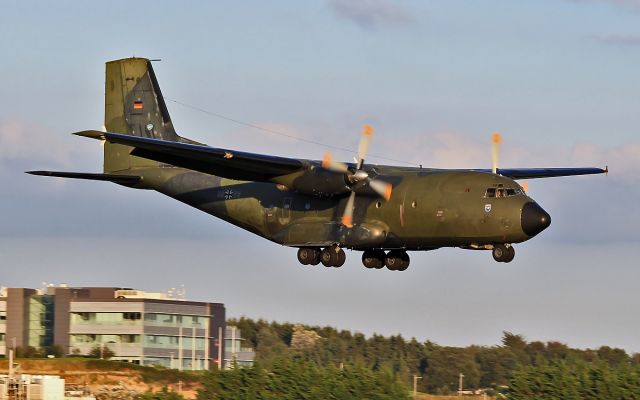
x: 406, y: 260
x: 373, y: 259
x: 329, y: 257
x: 315, y: 260
x: 306, y: 255
x: 500, y: 253
x: 393, y: 260
x: 342, y: 257
x: 511, y: 253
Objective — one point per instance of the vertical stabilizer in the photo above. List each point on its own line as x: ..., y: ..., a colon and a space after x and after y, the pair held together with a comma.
x: 133, y: 106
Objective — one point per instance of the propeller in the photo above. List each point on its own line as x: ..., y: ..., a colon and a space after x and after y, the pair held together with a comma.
x: 354, y: 176
x: 496, y: 139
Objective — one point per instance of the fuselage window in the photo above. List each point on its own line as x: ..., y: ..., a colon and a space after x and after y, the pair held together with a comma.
x: 500, y: 192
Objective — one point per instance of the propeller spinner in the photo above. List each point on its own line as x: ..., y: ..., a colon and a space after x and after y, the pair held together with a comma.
x: 383, y: 189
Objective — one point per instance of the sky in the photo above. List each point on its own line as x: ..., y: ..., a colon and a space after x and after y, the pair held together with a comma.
x: 558, y: 78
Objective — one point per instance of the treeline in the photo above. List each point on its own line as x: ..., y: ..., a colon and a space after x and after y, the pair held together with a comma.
x: 439, y: 367
x: 576, y: 380
x: 289, y: 379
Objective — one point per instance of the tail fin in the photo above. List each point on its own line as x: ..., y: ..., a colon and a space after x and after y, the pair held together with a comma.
x: 133, y: 106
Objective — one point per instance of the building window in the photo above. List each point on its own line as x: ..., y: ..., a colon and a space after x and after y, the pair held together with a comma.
x: 133, y: 316
x: 2, y: 337
x: 174, y: 320
x: 93, y: 338
x: 106, y: 318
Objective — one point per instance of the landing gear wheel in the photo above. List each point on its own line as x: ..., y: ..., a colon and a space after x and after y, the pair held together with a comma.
x: 373, y: 259
x: 405, y: 261
x: 308, y: 256
x: 511, y: 253
x: 333, y: 257
x: 503, y: 253
x: 342, y: 257
x: 395, y: 260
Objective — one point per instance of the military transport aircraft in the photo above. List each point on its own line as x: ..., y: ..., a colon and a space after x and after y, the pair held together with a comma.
x: 319, y: 207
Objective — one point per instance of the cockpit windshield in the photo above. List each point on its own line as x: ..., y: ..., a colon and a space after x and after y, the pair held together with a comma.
x: 503, y: 192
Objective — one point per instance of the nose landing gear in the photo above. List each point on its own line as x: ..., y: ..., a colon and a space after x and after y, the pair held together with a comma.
x: 503, y: 253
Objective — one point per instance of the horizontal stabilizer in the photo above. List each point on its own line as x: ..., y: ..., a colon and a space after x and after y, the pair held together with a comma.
x: 120, y: 179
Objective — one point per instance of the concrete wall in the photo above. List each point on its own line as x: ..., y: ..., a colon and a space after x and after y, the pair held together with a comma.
x: 17, y: 308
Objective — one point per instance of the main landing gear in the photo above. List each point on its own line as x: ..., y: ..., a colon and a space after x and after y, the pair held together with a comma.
x: 503, y: 253
x: 395, y: 260
x: 332, y: 256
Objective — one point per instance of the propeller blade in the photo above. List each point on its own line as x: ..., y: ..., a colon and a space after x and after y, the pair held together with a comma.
x: 332, y: 165
x: 347, y: 217
x: 496, y: 139
x: 367, y: 132
x: 384, y: 189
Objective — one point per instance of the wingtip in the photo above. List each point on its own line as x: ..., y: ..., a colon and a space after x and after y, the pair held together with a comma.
x: 40, y: 173
x: 91, y: 134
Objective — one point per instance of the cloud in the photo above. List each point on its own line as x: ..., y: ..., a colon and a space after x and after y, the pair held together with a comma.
x: 20, y: 140
x: 619, y: 40
x: 28, y: 145
x: 371, y: 14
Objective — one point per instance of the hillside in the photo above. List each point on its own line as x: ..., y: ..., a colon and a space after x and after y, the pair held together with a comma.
x: 95, y: 374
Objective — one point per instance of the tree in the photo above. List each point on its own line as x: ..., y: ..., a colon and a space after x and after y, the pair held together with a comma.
x: 270, y: 348
x: 513, y: 341
x: 613, y: 356
x: 445, y: 366
x: 164, y: 394
x: 101, y: 351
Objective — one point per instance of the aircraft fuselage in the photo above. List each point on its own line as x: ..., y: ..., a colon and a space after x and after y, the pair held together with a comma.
x: 428, y: 209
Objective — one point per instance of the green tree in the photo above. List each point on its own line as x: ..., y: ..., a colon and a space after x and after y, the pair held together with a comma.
x: 163, y: 394
x: 99, y: 351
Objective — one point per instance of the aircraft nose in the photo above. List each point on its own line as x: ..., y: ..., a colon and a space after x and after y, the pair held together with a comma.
x: 534, y: 219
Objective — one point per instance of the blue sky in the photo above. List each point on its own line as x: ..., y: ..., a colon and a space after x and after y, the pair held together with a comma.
x: 558, y: 78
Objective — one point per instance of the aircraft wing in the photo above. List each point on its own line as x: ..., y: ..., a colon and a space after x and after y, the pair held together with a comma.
x: 210, y: 160
x: 532, y: 173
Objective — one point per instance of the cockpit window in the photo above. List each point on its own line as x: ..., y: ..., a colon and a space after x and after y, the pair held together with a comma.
x: 502, y: 192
